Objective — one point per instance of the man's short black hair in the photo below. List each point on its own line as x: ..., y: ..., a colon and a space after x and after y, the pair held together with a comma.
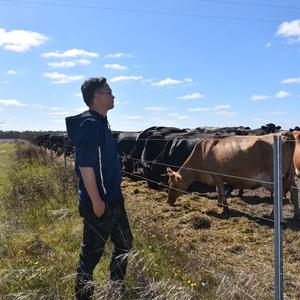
x: 89, y: 86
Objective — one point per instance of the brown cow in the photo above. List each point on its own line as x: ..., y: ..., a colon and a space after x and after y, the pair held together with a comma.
x: 296, y: 157
x: 248, y: 157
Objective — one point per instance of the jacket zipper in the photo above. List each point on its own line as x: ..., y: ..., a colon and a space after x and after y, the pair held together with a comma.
x: 100, y: 168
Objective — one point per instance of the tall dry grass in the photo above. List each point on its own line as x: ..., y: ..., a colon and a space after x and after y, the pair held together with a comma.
x: 41, y: 232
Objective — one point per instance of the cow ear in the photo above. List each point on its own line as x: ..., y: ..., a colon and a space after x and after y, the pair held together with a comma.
x: 170, y: 171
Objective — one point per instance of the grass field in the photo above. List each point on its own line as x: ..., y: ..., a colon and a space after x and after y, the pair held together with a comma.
x: 190, y: 251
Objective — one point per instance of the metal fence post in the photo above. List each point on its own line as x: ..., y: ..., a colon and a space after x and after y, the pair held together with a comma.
x: 64, y: 148
x: 277, y: 165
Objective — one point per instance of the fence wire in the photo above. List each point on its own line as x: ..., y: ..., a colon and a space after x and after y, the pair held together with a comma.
x: 208, y: 172
x: 198, y: 196
x: 200, y: 170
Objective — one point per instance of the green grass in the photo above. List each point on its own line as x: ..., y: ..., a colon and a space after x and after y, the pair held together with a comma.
x: 41, y: 231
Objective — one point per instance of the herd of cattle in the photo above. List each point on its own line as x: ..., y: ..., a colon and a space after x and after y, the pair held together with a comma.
x: 226, y: 158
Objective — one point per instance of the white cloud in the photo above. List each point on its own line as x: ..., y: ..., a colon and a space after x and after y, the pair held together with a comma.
x: 189, y: 80
x: 191, y: 96
x: 226, y: 113
x: 282, y: 94
x: 260, y: 97
x: 20, y: 40
x: 126, y: 78
x: 291, y: 80
x: 257, y: 119
x: 173, y: 114
x: 56, y: 108
x: 154, y: 108
x: 167, y: 82
x: 38, y: 106
x: 222, y: 106
x: 217, y: 107
x: 70, y: 54
x: 59, y: 113
x: 77, y: 94
x: 60, y: 78
x: 62, y: 64
x: 68, y: 64
x: 11, y: 72
x: 148, y: 80
x: 83, y: 61
x: 290, y: 30
x: 182, y: 117
x: 199, y: 109
x: 12, y: 102
x: 277, y: 113
x: 118, y: 55
x: 1, y: 109
x: 115, y: 67
x: 268, y: 45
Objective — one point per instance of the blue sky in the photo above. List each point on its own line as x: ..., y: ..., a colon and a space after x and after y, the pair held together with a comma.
x: 174, y: 63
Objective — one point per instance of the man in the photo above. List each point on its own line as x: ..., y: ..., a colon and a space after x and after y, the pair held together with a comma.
x: 100, y: 199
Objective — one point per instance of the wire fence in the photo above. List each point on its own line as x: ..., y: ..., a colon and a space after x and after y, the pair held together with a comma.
x: 200, y: 197
x: 153, y: 162
x: 198, y: 170
x: 204, y: 171
x: 250, y: 215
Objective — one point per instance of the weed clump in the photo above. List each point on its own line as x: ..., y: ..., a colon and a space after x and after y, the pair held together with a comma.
x: 38, y: 184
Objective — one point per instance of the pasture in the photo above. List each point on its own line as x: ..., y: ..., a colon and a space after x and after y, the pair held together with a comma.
x: 189, y: 251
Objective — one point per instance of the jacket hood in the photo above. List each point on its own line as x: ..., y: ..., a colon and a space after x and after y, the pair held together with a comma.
x: 73, y: 123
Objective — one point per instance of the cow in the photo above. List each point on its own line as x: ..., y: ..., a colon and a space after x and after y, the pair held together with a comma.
x: 131, y: 160
x: 297, y: 128
x: 265, y: 129
x: 247, y: 162
x: 296, y: 157
x: 174, y: 155
x: 153, y: 146
x: 42, y: 140
x: 125, y: 141
x: 177, y: 150
x: 239, y: 130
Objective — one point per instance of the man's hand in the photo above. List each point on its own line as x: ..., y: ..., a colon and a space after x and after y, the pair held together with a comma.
x: 89, y: 179
x: 99, y: 208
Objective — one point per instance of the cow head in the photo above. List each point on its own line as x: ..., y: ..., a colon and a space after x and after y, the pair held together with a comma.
x: 128, y: 163
x: 176, y: 185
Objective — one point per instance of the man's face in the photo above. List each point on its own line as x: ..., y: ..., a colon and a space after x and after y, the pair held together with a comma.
x: 104, y: 97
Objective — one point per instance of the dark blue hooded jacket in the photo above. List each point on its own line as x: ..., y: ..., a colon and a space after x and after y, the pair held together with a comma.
x: 95, y: 147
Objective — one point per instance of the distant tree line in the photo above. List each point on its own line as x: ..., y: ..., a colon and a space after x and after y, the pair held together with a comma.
x: 26, y: 135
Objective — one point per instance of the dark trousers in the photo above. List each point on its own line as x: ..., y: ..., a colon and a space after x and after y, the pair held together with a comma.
x: 114, y: 224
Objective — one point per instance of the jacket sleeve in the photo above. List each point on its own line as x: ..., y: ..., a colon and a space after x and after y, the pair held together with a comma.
x: 88, y: 142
